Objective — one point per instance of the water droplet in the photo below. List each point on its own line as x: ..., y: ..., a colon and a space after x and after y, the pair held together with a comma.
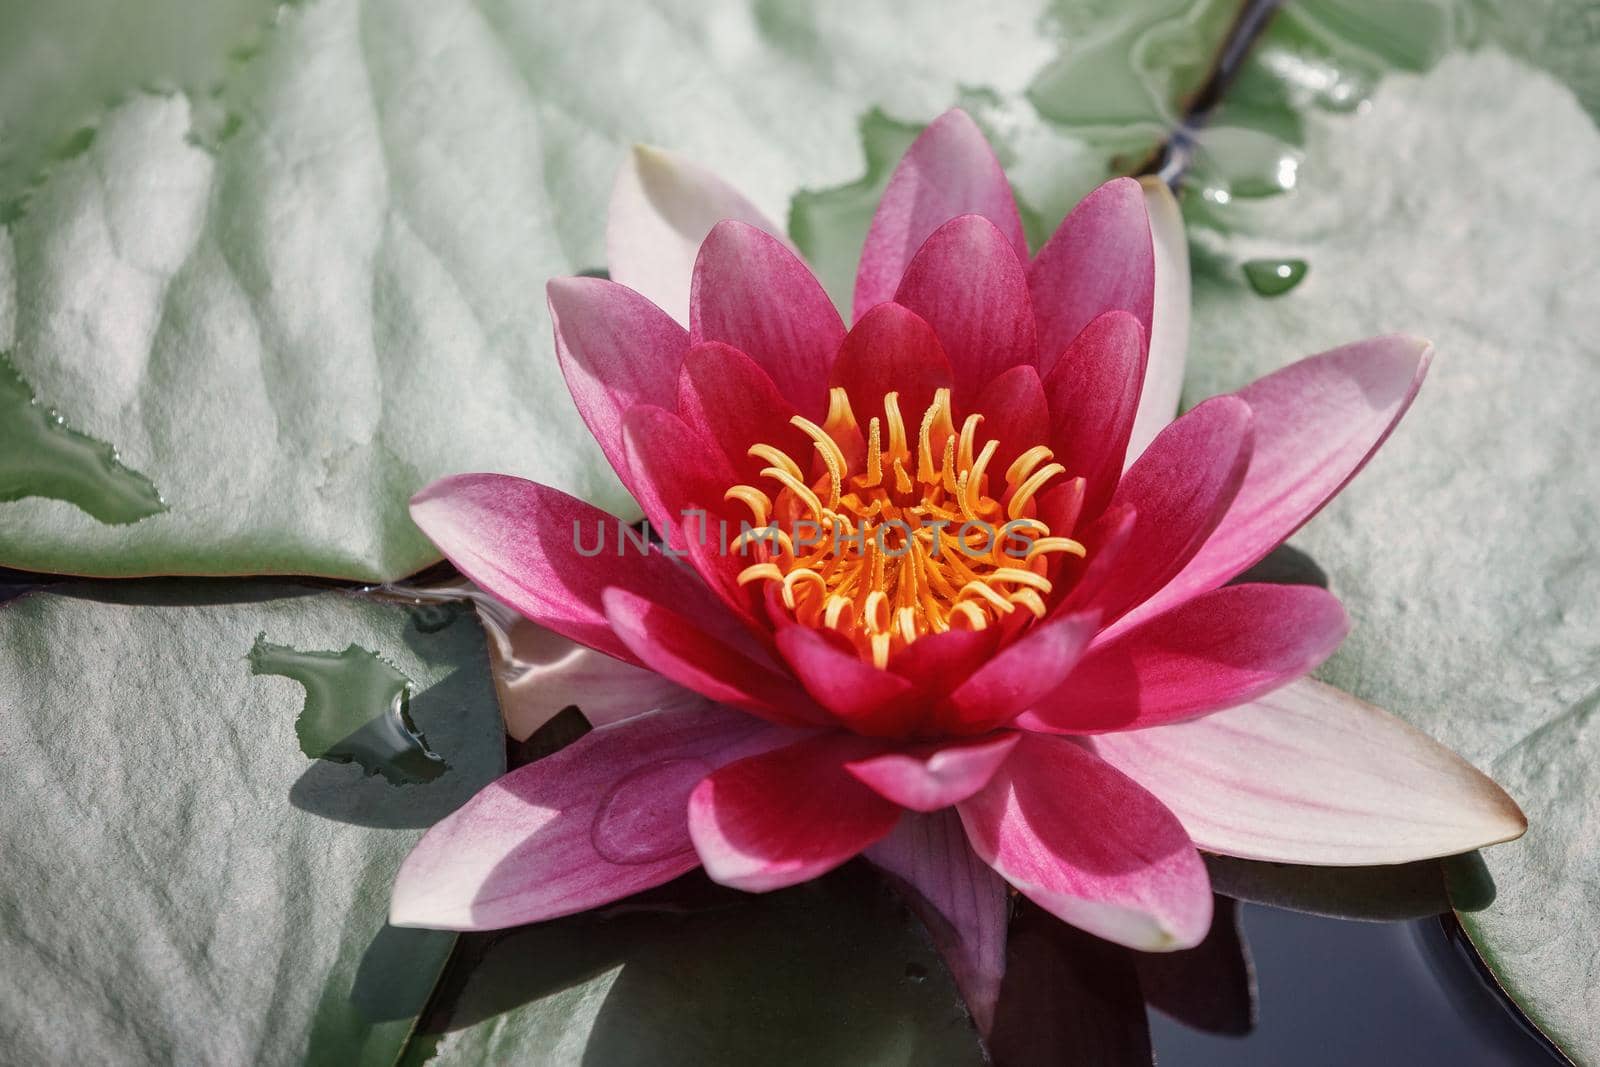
x: 1274, y: 277
x: 641, y: 818
x: 357, y: 710
x: 40, y: 455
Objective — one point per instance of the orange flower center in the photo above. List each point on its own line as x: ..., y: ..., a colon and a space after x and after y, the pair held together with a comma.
x: 900, y: 538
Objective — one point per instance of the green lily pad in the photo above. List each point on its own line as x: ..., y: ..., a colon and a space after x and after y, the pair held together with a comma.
x: 291, y: 317
x: 1460, y: 206
x: 184, y: 884
x: 833, y: 971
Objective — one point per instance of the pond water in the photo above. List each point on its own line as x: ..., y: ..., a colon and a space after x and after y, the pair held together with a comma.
x: 1339, y: 992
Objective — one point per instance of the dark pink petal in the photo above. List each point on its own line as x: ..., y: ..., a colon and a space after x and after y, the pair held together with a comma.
x: 681, y: 480
x: 937, y: 663
x: 530, y: 546
x: 751, y: 292
x: 1308, y: 774
x: 788, y: 815
x: 616, y: 349
x: 891, y: 349
x: 732, y: 403
x: 949, y: 170
x: 1219, y: 650
x: 662, y: 207
x: 1099, y: 259
x: 721, y: 667
x: 1093, y: 393
x: 867, y: 700
x: 1029, y: 668
x: 598, y: 820
x: 1086, y: 843
x: 934, y: 776
x: 970, y: 285
x: 1181, y: 488
x: 1015, y: 413
x: 1104, y: 541
x: 958, y: 897
x: 1317, y: 422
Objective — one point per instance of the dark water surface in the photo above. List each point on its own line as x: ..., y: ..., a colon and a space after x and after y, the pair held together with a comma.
x: 1342, y: 993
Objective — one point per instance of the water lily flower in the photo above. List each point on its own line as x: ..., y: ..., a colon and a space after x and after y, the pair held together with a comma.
x: 1006, y: 650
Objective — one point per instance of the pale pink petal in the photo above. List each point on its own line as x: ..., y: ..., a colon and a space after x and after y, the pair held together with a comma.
x: 750, y: 291
x: 1181, y: 488
x: 949, y: 170
x: 538, y: 674
x: 1028, y: 669
x: 1093, y: 393
x: 598, y: 820
x: 730, y: 673
x: 662, y: 207
x: 549, y: 556
x: 970, y: 285
x: 1317, y: 422
x: 616, y: 349
x: 1100, y: 259
x: 787, y: 816
x: 1169, y: 320
x: 1087, y: 844
x: 1312, y: 775
x: 1219, y: 650
x: 934, y: 776
x: 958, y: 897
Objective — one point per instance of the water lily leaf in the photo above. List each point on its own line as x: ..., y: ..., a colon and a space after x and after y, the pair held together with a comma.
x: 833, y: 971
x: 289, y: 320
x: 181, y: 875
x: 1460, y: 207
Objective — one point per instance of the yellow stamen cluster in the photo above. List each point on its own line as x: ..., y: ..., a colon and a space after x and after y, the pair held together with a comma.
x: 913, y: 537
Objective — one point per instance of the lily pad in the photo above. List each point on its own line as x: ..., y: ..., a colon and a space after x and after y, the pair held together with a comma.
x: 1459, y: 206
x: 184, y: 884
x: 290, y: 318
x: 833, y: 971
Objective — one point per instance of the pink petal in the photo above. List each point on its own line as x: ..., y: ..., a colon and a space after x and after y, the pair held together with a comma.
x: 1093, y: 393
x: 1087, y: 844
x: 1312, y: 775
x: 1029, y: 668
x: 1219, y: 650
x: 968, y: 282
x: 959, y: 898
x: 1169, y: 319
x: 526, y: 544
x: 751, y: 292
x: 934, y: 776
x: 662, y: 208
x: 598, y: 820
x: 675, y: 471
x: 616, y: 349
x: 891, y: 349
x: 1016, y: 414
x: 937, y: 663
x: 1317, y: 422
x: 786, y: 816
x: 1181, y: 488
x: 1104, y: 541
x: 867, y: 700
x: 1098, y: 260
x: 949, y: 170
x: 731, y: 402
x: 719, y: 669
